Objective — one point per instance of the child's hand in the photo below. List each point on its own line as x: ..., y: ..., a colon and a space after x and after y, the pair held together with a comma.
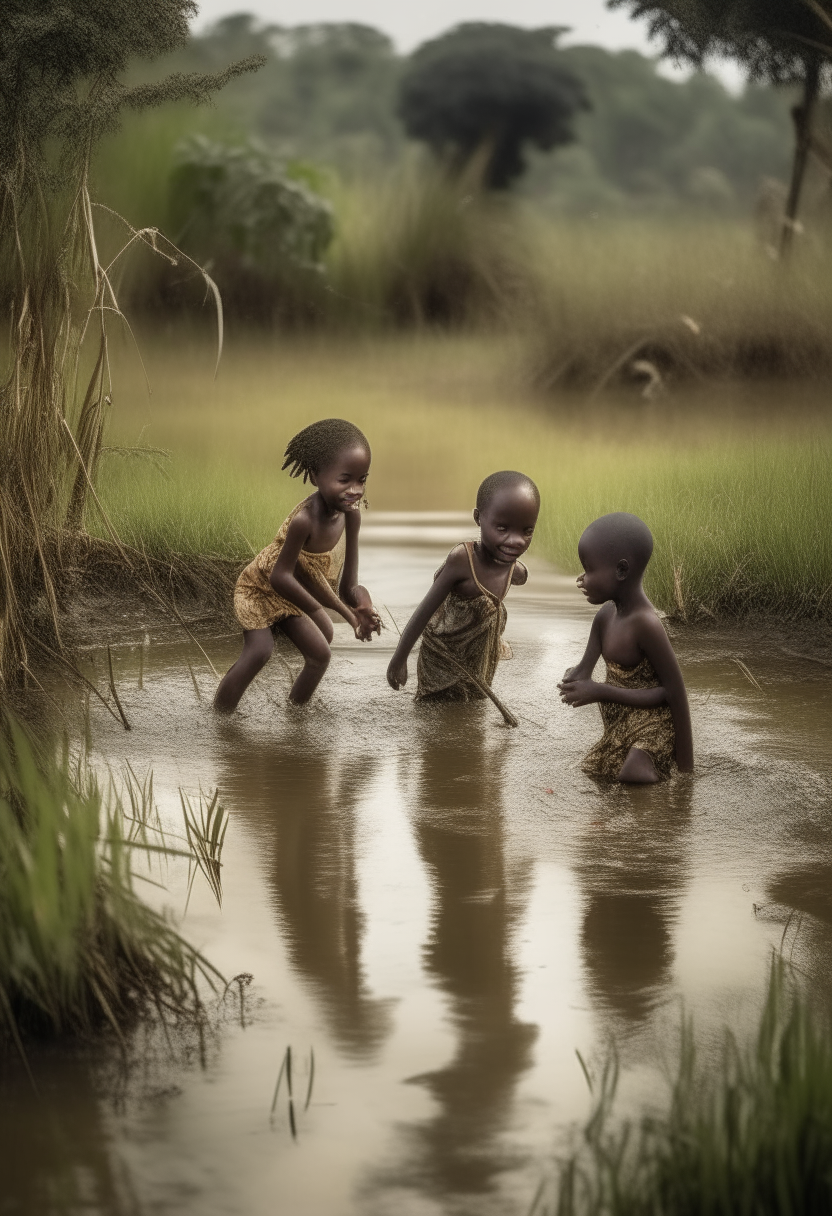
x: 397, y: 674
x: 578, y: 692
x: 367, y: 622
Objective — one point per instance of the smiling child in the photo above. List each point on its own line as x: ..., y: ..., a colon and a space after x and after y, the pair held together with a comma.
x: 310, y: 566
x: 463, y: 615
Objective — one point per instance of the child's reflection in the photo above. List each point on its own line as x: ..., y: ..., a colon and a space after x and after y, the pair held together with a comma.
x: 299, y: 798
x: 631, y: 869
x: 478, y: 897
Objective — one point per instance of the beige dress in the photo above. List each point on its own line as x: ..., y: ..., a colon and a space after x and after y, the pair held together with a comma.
x: 256, y: 603
x: 469, y: 630
x: 626, y: 726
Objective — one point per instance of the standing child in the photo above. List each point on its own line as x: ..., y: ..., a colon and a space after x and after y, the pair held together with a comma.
x: 463, y: 615
x: 644, y: 706
x: 311, y: 566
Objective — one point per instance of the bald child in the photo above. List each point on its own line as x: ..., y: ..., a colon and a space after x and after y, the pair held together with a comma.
x: 643, y: 703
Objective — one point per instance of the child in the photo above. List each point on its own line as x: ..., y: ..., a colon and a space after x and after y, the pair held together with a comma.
x: 463, y: 615
x: 644, y: 706
x: 311, y: 565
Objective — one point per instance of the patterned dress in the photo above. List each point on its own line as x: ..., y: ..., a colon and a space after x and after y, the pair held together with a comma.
x: 626, y: 726
x: 469, y: 630
x: 256, y: 603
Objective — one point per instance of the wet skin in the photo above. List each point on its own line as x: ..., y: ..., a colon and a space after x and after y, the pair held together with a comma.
x: 316, y: 528
x: 506, y: 526
x: 626, y: 630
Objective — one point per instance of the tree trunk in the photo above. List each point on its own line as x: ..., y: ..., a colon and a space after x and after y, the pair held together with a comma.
x: 802, y: 115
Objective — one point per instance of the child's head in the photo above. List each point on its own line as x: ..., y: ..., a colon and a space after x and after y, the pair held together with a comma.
x: 507, y: 508
x: 614, y: 549
x: 335, y: 456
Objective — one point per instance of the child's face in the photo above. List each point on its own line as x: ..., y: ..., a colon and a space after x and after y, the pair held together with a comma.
x: 602, y: 576
x: 507, y: 524
x: 341, y: 483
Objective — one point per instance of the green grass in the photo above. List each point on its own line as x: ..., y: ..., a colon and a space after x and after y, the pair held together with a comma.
x: 78, y: 947
x: 745, y: 1133
x: 737, y: 487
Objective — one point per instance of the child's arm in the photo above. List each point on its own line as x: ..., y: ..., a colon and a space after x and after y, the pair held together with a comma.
x: 358, y: 597
x: 584, y: 669
x: 286, y: 583
x: 578, y: 688
x: 451, y: 573
x: 520, y: 576
x: 656, y: 645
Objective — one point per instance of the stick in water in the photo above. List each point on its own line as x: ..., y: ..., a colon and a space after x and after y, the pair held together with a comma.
x: 477, y: 682
x: 125, y: 723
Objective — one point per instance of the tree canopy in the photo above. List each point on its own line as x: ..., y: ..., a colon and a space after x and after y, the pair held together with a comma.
x: 772, y: 39
x: 777, y: 41
x: 491, y: 88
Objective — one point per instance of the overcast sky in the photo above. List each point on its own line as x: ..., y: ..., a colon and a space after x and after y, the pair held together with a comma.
x: 410, y: 23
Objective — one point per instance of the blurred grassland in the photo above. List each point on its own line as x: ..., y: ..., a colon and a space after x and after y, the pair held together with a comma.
x: 736, y: 482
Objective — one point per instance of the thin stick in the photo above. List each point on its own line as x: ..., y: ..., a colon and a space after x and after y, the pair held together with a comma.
x: 746, y: 673
x: 477, y: 682
x: 62, y: 659
x: 141, y: 666
x: 393, y: 619
x: 119, y: 707
x: 193, y: 680
x: 311, y: 1077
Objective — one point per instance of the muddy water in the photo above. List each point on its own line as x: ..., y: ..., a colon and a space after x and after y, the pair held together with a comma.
x: 443, y: 910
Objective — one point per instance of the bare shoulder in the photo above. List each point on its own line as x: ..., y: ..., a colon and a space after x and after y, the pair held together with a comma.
x: 457, y: 560
x: 649, y: 627
x: 302, y: 521
x: 520, y: 575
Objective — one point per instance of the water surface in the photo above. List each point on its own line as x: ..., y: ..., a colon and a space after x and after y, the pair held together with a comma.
x: 443, y: 909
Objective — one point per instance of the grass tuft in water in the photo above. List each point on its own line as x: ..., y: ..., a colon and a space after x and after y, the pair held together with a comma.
x: 78, y: 947
x: 748, y: 1132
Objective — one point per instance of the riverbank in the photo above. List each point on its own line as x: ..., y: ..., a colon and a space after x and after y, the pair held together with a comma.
x: 735, y: 482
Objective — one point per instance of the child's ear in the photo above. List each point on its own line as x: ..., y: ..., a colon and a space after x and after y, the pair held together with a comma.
x: 476, y: 517
x: 313, y: 479
x: 622, y: 569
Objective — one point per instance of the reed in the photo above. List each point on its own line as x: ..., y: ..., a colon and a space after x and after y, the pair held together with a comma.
x: 62, y: 90
x: 749, y: 1131
x: 78, y: 948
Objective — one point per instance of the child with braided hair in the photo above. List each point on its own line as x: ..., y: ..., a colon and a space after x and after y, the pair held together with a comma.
x: 311, y: 566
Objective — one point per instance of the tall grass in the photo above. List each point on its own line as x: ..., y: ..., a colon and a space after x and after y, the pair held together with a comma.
x: 698, y: 300
x: 736, y: 487
x: 746, y: 1133
x: 78, y: 947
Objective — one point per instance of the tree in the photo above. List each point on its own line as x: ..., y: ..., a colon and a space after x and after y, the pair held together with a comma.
x: 489, y: 89
x: 62, y: 64
x: 777, y: 41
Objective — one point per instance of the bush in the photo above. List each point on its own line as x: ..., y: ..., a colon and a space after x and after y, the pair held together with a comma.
x: 261, y: 233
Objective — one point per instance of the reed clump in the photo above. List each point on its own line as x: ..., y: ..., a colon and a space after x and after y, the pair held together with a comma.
x: 78, y: 948
x: 61, y: 90
x: 750, y: 1131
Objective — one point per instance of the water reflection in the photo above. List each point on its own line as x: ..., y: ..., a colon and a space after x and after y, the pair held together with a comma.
x: 632, y: 868
x: 56, y: 1158
x: 477, y: 898
x: 299, y: 799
